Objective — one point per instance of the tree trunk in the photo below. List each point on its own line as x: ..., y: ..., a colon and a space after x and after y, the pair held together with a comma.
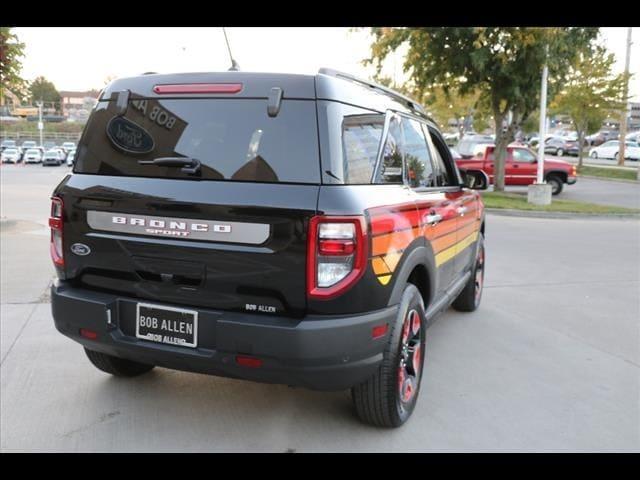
x: 500, y: 153
x: 580, y: 146
x: 503, y: 139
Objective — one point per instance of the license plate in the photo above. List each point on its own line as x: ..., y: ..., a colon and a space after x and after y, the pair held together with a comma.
x: 174, y: 326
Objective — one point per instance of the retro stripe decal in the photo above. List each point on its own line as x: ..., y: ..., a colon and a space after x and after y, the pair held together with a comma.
x: 394, y: 228
x: 451, y: 252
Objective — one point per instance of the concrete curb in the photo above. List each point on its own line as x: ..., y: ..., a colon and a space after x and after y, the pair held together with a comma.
x: 506, y: 212
x: 606, y: 179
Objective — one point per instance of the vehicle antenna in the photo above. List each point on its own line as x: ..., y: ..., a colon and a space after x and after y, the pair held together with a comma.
x: 234, y: 65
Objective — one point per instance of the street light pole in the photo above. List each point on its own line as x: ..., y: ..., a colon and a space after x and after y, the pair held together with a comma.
x: 40, y: 125
x: 623, y: 120
x: 539, y: 193
x: 543, y: 123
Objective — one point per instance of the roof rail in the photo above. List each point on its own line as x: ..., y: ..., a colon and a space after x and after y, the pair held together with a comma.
x: 398, y: 96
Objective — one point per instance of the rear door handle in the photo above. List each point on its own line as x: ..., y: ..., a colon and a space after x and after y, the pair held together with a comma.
x: 461, y: 211
x: 432, y: 219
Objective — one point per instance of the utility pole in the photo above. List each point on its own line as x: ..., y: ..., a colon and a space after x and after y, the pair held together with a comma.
x: 40, y: 124
x: 540, y: 193
x: 543, y: 124
x: 623, y: 120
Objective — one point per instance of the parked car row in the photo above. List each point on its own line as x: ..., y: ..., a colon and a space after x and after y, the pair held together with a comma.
x: 611, y: 149
x: 30, y: 152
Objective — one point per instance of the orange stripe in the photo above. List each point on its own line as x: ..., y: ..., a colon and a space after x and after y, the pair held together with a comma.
x: 393, y: 241
x: 442, y: 228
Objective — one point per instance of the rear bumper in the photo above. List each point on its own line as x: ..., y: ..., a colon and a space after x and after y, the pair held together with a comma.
x: 571, y: 180
x: 317, y: 352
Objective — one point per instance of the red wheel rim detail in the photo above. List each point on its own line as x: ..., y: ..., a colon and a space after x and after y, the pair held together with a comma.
x: 479, y: 278
x: 410, y: 357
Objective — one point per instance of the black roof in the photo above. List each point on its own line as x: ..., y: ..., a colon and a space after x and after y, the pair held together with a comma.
x: 326, y: 85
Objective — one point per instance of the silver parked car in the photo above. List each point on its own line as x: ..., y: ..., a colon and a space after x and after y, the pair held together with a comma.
x: 53, y: 157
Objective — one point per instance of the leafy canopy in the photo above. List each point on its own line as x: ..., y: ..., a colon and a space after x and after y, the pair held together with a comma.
x: 42, y: 89
x: 11, y: 53
x: 502, y: 64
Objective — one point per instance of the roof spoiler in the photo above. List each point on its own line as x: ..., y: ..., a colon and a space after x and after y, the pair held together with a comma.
x: 412, y: 104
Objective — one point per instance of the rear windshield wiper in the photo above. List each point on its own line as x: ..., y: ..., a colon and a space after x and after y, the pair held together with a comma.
x: 189, y: 165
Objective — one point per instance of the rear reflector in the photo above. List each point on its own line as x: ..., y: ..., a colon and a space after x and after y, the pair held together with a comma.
x: 336, y: 247
x: 250, y: 362
x: 379, y: 331
x: 198, y: 88
x: 90, y: 334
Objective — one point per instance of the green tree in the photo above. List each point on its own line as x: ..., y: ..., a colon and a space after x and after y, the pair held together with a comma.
x: 591, y: 92
x: 503, y: 64
x: 42, y: 90
x: 11, y: 53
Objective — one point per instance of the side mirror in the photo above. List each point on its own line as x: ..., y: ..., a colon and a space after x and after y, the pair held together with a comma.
x: 474, y: 179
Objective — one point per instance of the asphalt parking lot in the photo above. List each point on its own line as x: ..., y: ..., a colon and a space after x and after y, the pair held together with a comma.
x: 550, y: 361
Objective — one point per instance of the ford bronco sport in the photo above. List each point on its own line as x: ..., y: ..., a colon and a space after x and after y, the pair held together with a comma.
x: 293, y: 229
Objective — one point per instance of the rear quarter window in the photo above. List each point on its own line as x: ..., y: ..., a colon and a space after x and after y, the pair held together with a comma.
x: 234, y: 139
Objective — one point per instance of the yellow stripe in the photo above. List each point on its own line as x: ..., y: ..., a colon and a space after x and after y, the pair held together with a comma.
x: 379, y: 266
x: 451, y: 252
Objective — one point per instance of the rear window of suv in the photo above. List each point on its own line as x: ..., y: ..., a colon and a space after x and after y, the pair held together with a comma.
x: 234, y: 139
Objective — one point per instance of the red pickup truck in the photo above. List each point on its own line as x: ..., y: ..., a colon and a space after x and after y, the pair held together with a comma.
x: 521, y: 168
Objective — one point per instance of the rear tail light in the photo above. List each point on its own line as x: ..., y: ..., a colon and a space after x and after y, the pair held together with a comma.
x: 55, y: 222
x: 336, y: 255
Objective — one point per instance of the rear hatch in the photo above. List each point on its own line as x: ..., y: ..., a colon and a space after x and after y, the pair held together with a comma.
x: 227, y: 229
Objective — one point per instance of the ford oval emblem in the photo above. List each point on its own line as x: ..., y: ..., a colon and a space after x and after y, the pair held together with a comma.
x: 80, y: 249
x: 129, y: 136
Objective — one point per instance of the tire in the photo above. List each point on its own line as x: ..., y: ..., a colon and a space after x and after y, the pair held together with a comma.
x: 469, y: 298
x: 117, y: 366
x: 556, y: 184
x: 616, y: 156
x: 388, y: 398
x: 560, y: 152
x: 594, y: 154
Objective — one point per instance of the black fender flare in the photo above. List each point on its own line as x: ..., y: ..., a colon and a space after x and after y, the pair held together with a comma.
x: 420, y: 254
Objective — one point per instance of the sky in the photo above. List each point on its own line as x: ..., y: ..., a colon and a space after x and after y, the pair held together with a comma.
x: 82, y: 58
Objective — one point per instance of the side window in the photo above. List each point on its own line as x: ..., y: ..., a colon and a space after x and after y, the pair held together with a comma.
x: 417, y: 157
x: 360, y: 140
x: 522, y: 155
x: 390, y: 170
x: 444, y: 173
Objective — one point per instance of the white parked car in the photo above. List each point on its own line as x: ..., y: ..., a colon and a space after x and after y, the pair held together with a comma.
x: 11, y: 155
x: 610, y: 150
x: 71, y: 156
x: 68, y: 146
x: 33, y: 155
x: 633, y: 137
x: 571, y: 136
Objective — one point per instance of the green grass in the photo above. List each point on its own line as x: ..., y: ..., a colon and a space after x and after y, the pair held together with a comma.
x: 605, y: 172
x: 518, y: 201
x: 9, y: 129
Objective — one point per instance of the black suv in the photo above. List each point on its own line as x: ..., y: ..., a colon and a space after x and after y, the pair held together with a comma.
x: 294, y: 229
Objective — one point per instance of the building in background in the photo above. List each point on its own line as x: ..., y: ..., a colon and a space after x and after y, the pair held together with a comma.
x: 77, y: 105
